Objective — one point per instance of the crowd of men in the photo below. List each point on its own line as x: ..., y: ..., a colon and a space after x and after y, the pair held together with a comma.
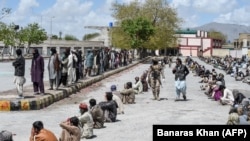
x: 94, y: 115
x: 214, y: 85
x: 68, y: 68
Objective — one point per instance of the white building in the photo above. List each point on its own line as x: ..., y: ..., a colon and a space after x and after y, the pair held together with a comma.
x: 60, y: 45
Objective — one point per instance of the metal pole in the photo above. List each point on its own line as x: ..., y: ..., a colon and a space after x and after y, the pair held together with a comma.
x: 51, y: 28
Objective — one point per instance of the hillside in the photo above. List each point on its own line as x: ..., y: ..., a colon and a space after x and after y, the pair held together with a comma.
x: 230, y: 30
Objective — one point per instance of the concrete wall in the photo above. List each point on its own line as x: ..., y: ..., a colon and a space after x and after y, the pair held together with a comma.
x: 187, y: 51
x: 194, y: 41
x: 220, y: 52
x: 206, y: 43
x: 236, y: 53
x: 207, y: 53
x: 244, y: 51
x: 183, y: 41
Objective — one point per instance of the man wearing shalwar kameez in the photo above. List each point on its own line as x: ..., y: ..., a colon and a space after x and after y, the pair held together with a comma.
x: 37, y: 70
x: 19, y: 65
x: 72, y: 67
x: 54, y: 69
x: 180, y: 71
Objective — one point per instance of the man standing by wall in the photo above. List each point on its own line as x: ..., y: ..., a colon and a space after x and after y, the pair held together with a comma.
x: 54, y: 69
x: 89, y: 63
x: 72, y: 59
x: 180, y: 71
x: 37, y: 71
x: 19, y: 65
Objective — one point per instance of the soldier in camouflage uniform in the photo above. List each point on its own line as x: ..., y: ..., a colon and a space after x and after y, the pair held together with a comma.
x: 154, y: 76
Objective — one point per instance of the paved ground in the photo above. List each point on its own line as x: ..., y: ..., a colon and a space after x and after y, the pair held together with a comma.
x: 136, y: 123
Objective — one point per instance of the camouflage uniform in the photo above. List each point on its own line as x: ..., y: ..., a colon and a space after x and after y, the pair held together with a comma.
x: 155, y: 73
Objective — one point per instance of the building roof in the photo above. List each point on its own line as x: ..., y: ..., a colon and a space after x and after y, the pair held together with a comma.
x: 186, y: 31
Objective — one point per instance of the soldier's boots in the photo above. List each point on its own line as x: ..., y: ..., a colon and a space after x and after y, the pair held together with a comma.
x: 155, y: 97
x: 158, y: 98
x: 184, y: 97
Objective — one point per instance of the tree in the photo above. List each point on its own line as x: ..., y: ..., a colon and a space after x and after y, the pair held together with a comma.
x: 34, y: 34
x: 10, y: 37
x: 217, y: 35
x: 5, y: 12
x: 54, y: 37
x: 120, y: 38
x: 90, y: 36
x: 162, y: 17
x: 70, y: 37
x: 139, y: 31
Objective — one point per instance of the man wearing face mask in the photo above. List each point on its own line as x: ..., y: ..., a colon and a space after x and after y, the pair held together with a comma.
x: 64, y: 62
x: 54, y: 69
x: 19, y: 65
x: 37, y: 70
x: 180, y: 71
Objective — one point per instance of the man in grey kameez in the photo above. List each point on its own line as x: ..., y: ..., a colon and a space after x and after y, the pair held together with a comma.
x: 54, y: 69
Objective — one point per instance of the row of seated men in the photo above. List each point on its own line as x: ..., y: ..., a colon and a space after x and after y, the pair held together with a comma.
x: 238, y: 68
x: 96, y: 114
x: 215, y: 88
x: 92, y: 115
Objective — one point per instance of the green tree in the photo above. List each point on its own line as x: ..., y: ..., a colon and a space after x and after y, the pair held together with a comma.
x: 68, y: 37
x: 90, y: 36
x: 120, y: 38
x: 139, y: 30
x: 217, y: 35
x: 54, y: 37
x: 20, y: 38
x: 9, y: 36
x: 4, y: 12
x: 163, y: 18
x: 34, y: 34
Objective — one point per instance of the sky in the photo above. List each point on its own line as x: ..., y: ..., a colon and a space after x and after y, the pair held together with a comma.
x: 72, y: 16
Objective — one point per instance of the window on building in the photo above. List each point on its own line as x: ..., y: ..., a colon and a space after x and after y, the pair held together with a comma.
x: 248, y: 43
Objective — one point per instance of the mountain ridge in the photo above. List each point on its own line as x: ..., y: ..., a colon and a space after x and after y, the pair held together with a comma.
x: 232, y: 31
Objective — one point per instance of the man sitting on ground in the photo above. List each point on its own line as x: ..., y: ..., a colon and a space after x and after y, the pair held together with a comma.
x: 97, y: 114
x: 138, y: 88
x: 128, y: 94
x: 86, y: 121
x: 109, y: 107
x: 70, y: 130
x: 39, y: 133
x: 117, y: 97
